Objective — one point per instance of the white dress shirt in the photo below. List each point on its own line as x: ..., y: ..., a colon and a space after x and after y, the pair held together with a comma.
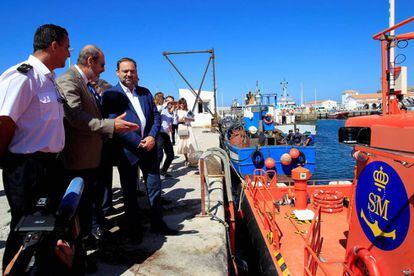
x: 31, y: 101
x: 133, y: 98
x: 85, y: 79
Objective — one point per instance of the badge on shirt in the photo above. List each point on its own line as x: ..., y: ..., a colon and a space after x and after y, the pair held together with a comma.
x: 24, y: 68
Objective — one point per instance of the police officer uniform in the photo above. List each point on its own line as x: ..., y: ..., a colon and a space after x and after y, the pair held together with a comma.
x: 28, y: 95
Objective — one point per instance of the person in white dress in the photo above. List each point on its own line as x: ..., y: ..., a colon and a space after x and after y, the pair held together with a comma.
x: 186, y: 144
x: 159, y: 101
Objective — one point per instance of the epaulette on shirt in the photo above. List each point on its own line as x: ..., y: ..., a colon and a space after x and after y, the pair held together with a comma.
x: 24, y: 68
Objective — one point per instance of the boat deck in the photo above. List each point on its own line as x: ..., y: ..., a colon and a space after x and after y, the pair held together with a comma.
x: 293, y: 233
x: 333, y: 230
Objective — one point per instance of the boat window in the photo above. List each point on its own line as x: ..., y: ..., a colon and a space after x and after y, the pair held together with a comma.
x: 355, y: 135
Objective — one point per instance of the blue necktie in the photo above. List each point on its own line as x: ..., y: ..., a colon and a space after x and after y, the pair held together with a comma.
x: 94, y: 93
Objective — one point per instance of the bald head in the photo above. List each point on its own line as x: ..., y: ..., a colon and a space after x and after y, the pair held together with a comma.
x: 88, y: 51
x: 91, y: 61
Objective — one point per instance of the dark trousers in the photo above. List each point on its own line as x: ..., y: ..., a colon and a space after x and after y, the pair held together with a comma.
x: 164, y: 145
x: 174, y: 131
x: 128, y: 174
x: 26, y: 177
x: 105, y: 176
x: 89, y: 200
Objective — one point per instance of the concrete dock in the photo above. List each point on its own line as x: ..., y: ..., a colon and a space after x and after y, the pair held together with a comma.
x: 200, y: 248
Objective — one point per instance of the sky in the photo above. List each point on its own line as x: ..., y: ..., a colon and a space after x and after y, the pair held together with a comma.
x: 323, y: 46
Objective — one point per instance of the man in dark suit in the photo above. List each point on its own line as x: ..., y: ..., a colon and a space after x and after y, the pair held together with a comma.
x: 136, y: 148
x: 85, y: 129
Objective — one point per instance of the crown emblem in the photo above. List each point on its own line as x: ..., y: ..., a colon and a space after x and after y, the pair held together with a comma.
x: 381, y: 179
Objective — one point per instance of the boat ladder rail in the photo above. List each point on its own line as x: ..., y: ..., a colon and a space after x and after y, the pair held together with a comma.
x: 259, y: 188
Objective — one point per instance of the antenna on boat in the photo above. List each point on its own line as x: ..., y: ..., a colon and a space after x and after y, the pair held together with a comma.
x: 301, y: 94
x: 284, y: 84
x: 392, y: 47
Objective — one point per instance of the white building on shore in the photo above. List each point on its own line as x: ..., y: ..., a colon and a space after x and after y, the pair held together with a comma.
x: 322, y: 105
x: 202, y: 116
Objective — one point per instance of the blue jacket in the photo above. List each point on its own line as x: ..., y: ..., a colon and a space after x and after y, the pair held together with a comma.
x: 115, y: 102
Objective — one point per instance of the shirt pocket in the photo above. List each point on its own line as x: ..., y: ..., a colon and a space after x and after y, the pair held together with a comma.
x: 48, y: 106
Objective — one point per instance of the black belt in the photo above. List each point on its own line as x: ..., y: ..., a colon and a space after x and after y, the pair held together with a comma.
x: 35, y: 155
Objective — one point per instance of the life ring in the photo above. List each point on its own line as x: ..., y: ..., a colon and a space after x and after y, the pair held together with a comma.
x: 268, y: 119
x: 258, y: 159
x: 364, y: 257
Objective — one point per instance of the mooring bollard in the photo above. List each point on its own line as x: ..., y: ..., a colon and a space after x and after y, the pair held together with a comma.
x: 301, y: 176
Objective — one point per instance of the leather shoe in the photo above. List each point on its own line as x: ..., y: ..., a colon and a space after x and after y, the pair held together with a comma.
x: 98, y: 233
x: 89, y: 242
x: 162, y: 228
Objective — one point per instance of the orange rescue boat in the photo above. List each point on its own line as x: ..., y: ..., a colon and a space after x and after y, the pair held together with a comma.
x: 362, y: 228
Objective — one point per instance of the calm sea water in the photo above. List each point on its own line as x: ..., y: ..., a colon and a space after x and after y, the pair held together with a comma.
x: 333, y: 160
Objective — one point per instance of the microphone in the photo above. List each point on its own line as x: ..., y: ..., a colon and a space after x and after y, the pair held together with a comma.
x: 70, y: 200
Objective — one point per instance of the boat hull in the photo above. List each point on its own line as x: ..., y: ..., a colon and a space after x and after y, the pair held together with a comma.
x: 266, y: 265
x: 338, y: 115
x: 242, y: 159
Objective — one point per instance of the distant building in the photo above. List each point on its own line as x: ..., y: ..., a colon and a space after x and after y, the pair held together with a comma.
x: 202, y: 116
x: 351, y: 99
x: 322, y: 105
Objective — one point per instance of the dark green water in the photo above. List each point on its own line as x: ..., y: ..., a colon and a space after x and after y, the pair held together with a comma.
x: 333, y: 160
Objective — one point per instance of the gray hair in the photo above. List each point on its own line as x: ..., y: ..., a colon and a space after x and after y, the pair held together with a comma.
x: 88, y: 51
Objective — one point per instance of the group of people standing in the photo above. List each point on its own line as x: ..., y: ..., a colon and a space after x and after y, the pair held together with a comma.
x: 53, y: 130
x: 174, y: 115
x: 299, y: 139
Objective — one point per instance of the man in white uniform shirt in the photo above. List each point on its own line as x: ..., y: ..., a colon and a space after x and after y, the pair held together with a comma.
x: 31, y: 127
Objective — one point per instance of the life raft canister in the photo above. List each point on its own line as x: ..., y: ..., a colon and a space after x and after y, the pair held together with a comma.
x: 328, y: 201
x: 268, y: 119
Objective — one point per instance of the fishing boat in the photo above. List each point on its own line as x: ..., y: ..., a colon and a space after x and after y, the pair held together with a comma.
x: 267, y: 137
x: 338, y: 115
x: 359, y: 228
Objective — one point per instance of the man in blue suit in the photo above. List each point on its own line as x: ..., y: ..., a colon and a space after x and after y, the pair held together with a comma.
x: 136, y: 148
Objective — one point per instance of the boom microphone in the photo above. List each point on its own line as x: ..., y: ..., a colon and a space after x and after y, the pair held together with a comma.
x: 70, y: 200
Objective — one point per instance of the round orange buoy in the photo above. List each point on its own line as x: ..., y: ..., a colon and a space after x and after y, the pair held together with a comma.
x: 285, y: 159
x: 294, y: 153
x: 270, y: 163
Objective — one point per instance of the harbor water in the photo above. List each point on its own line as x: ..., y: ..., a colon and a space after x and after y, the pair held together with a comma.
x: 333, y: 160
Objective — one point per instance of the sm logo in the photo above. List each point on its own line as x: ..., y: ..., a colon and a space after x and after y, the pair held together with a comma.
x: 378, y: 206
x: 382, y: 205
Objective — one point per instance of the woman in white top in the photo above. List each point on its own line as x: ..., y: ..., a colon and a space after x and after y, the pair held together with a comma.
x: 186, y: 144
x: 159, y: 101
